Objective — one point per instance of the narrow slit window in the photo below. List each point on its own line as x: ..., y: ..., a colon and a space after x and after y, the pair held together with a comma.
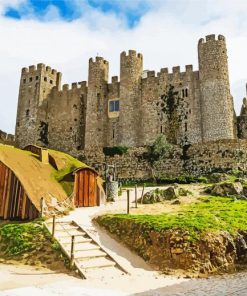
x: 186, y: 92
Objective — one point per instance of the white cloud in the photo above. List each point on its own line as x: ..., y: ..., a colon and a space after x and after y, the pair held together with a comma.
x: 167, y: 35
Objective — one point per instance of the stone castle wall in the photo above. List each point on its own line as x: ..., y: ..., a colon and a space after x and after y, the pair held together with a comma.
x: 35, y: 85
x: 197, y: 160
x: 216, y: 99
x: 80, y: 118
x: 6, y: 138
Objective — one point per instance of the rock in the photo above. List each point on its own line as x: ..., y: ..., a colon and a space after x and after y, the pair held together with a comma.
x: 176, y: 202
x: 169, y: 193
x: 151, y: 197
x: 183, y: 192
x: 226, y: 189
x: 158, y: 195
x: 177, y: 251
x: 218, y: 177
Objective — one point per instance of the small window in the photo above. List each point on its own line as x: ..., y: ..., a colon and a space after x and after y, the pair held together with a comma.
x: 24, y: 80
x: 186, y: 92
x: 186, y: 127
x: 51, y: 82
x: 37, y: 77
x: 27, y: 112
x: 45, y: 78
x: 114, y: 106
x: 183, y: 93
x: 30, y: 79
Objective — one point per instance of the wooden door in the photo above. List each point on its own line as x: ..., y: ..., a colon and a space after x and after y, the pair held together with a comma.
x: 86, y: 189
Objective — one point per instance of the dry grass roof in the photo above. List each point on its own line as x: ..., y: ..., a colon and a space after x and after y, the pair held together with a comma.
x: 38, y: 179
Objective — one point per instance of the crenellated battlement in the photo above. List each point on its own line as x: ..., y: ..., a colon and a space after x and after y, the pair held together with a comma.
x: 210, y: 38
x: 40, y: 68
x: 98, y: 60
x: 131, y: 54
x: 176, y: 72
x: 82, y: 85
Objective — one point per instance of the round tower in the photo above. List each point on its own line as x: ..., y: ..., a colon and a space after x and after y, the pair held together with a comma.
x: 96, y: 103
x: 131, y: 68
x: 216, y: 100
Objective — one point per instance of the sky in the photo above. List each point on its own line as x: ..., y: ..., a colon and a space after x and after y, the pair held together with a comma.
x: 64, y: 34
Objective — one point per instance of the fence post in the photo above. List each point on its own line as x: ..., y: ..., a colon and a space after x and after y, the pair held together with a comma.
x: 136, y: 195
x: 41, y: 206
x: 72, y: 252
x: 128, y: 201
x: 53, y: 225
x: 142, y: 191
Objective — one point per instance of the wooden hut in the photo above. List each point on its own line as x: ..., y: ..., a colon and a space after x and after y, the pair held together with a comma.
x: 14, y: 200
x: 88, y: 189
x: 25, y: 180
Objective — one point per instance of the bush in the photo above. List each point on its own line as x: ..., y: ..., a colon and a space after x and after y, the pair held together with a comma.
x: 118, y: 150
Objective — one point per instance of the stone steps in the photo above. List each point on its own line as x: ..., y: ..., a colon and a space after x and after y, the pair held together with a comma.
x: 89, y: 257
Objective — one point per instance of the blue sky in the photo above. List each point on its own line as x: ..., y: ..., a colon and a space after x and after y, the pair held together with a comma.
x: 68, y: 9
x: 64, y: 34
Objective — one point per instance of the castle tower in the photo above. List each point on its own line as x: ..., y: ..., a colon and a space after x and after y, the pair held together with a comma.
x: 35, y: 85
x: 216, y: 101
x: 131, y: 67
x: 96, y: 103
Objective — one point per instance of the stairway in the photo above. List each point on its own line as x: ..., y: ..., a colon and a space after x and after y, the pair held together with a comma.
x: 91, y: 259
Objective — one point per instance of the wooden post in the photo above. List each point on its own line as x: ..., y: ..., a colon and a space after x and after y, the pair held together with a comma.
x: 136, y: 195
x: 72, y: 252
x: 41, y: 206
x: 128, y: 201
x: 53, y: 225
x: 142, y: 191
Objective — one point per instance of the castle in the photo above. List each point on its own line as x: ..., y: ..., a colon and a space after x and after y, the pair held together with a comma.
x: 133, y: 110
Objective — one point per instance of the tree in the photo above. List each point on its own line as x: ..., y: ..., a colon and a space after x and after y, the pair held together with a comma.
x: 158, y: 151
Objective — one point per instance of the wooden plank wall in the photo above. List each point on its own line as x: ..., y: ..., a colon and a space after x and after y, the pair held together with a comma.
x: 14, y: 202
x: 85, y: 189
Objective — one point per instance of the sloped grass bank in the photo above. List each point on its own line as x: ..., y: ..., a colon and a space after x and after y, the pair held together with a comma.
x: 31, y: 244
x: 66, y: 164
x: 206, y: 237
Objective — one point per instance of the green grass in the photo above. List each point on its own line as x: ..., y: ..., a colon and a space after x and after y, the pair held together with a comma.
x: 64, y: 175
x: 19, y: 238
x: 209, y: 214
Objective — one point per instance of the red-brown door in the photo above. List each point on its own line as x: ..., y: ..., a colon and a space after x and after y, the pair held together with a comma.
x: 86, y: 189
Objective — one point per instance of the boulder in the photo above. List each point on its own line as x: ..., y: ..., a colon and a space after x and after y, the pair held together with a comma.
x: 176, y: 202
x: 218, y: 177
x: 150, y: 197
x: 226, y: 189
x: 183, y: 192
x: 158, y: 195
x: 169, y: 193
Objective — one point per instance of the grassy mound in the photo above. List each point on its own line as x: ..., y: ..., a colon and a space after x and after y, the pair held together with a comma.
x: 66, y: 164
x: 210, y: 213
x: 30, y: 243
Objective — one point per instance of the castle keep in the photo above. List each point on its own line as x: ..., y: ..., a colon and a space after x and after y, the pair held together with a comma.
x: 187, y: 106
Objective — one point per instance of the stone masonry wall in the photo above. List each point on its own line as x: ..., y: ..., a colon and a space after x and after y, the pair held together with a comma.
x: 79, y: 118
x: 197, y: 160
x: 7, y: 138
x: 66, y: 117
x: 216, y: 100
